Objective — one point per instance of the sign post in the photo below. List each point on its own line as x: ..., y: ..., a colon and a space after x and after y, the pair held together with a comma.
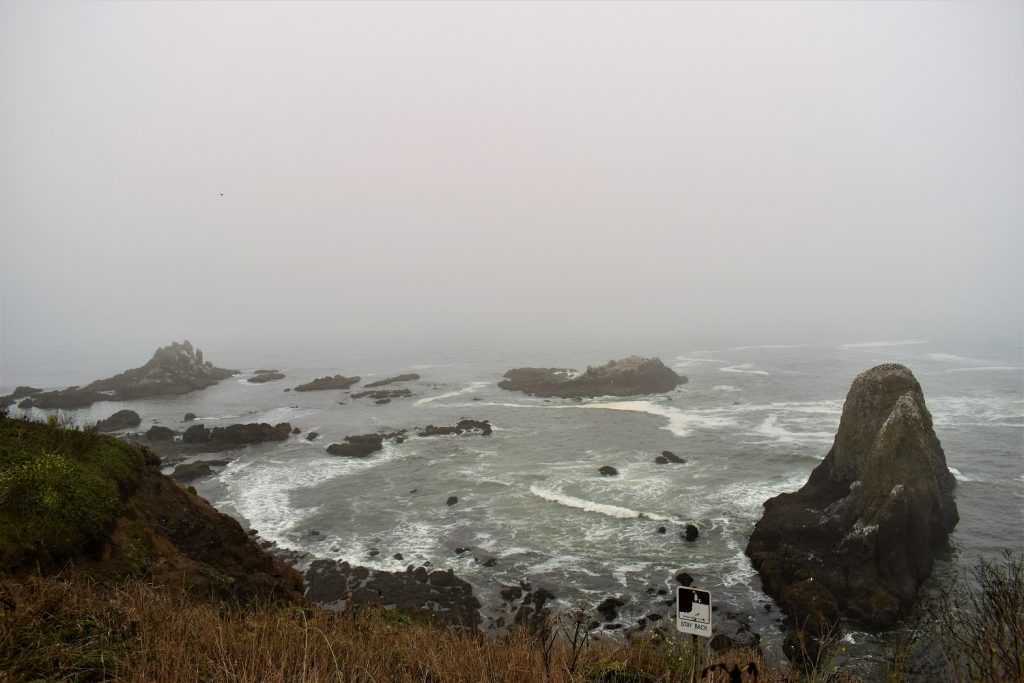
x: 693, y: 611
x: 693, y: 616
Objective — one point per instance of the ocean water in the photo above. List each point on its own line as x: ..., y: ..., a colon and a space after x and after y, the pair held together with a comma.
x: 752, y: 422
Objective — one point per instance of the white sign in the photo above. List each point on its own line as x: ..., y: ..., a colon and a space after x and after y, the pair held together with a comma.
x: 693, y: 611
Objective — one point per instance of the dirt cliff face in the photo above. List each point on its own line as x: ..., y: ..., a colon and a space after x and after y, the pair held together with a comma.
x: 858, y: 539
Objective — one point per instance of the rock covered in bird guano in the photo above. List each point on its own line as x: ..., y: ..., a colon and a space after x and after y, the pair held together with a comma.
x: 633, y: 376
x: 857, y: 540
x: 327, y: 383
x: 173, y: 370
x: 122, y: 419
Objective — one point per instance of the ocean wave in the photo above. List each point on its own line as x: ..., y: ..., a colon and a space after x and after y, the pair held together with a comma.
x: 985, y: 368
x: 590, y: 506
x: 679, y: 423
x: 958, y: 475
x: 746, y: 368
x: 725, y: 387
x: 953, y: 358
x: 771, y: 428
x: 468, y: 389
x: 759, y: 347
x: 883, y: 344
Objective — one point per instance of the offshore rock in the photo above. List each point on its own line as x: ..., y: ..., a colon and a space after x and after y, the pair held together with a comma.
x: 173, y: 370
x: 633, y: 376
x: 264, y: 376
x: 408, y: 377
x: 858, y: 539
x: 325, y: 383
x: 122, y: 419
x: 465, y: 426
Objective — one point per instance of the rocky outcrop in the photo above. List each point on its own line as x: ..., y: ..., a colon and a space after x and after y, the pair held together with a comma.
x: 191, y: 471
x: 392, y: 380
x: 264, y: 376
x: 633, y: 376
x: 383, y: 394
x: 175, y: 369
x: 122, y: 419
x: 325, y: 383
x: 158, y: 433
x: 857, y: 540
x: 19, y: 393
x: 607, y: 471
x: 236, y: 435
x: 358, y: 446
x: 469, y: 427
x: 439, y: 595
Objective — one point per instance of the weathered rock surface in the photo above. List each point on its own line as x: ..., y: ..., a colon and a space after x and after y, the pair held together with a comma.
x: 236, y: 435
x: 18, y: 393
x: 122, y: 419
x: 158, y: 433
x: 408, y: 377
x: 383, y: 394
x: 858, y: 539
x: 439, y: 595
x: 325, y: 383
x: 175, y: 369
x: 469, y: 427
x: 191, y: 471
x: 362, y: 445
x: 633, y: 376
x: 607, y: 471
x: 263, y: 376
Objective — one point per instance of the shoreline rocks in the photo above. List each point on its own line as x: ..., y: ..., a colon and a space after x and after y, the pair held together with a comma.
x: 465, y: 426
x: 122, y: 419
x: 408, y: 377
x: 633, y: 376
x: 857, y: 540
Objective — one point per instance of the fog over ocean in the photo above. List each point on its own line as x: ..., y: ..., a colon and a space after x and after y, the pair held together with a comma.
x: 751, y: 423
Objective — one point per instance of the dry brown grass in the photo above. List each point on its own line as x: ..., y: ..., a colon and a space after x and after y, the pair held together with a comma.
x: 79, y: 630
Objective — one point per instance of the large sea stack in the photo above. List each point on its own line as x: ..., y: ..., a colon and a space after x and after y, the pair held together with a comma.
x: 633, y: 376
x: 858, y: 539
x: 173, y: 370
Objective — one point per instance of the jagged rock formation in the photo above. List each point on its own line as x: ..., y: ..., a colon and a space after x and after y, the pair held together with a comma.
x: 324, y: 383
x: 857, y: 540
x: 236, y: 435
x: 437, y: 594
x: 175, y: 369
x: 362, y: 445
x: 391, y: 380
x: 633, y: 376
x: 465, y: 426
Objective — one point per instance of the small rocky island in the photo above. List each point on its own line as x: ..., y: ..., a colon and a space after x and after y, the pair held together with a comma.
x: 175, y: 369
x: 633, y: 376
x: 857, y: 541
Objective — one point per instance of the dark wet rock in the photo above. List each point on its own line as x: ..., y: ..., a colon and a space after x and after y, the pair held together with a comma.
x: 532, y: 612
x: 326, y: 383
x: 264, y: 376
x: 26, y: 404
x: 312, y: 436
x: 631, y: 376
x: 612, y: 627
x: 373, y: 552
x: 196, y: 434
x: 196, y: 470
x: 21, y: 392
x: 452, y: 500
x: 398, y: 556
x: 173, y: 370
x: 490, y: 562
x: 235, y: 436
x: 392, y: 380
x: 122, y: 419
x: 661, y: 460
x: 189, y: 417
x: 662, y: 530
x: 857, y: 540
x: 733, y: 631
x: 673, y: 458
x: 382, y: 394
x: 158, y: 433
x: 609, y: 608
x: 608, y: 471
x: 654, y: 616
x: 510, y: 593
x: 690, y: 533
x: 468, y: 427
x: 382, y: 401
x: 684, y: 579
x: 358, y: 446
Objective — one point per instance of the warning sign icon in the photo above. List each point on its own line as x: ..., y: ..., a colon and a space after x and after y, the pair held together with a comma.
x: 693, y: 611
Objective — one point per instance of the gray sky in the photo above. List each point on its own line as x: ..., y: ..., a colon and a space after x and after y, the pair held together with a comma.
x: 784, y: 172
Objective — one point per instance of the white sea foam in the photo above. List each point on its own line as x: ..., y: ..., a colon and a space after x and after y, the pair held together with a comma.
x: 680, y: 423
x: 591, y: 506
x: 985, y: 368
x: 619, y: 573
x: 958, y: 475
x: 746, y: 368
x: 883, y: 344
x: 726, y: 387
x: 771, y: 428
x: 953, y: 358
x: 468, y: 389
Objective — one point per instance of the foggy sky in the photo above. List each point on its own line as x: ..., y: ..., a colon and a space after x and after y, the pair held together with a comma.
x: 769, y: 172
